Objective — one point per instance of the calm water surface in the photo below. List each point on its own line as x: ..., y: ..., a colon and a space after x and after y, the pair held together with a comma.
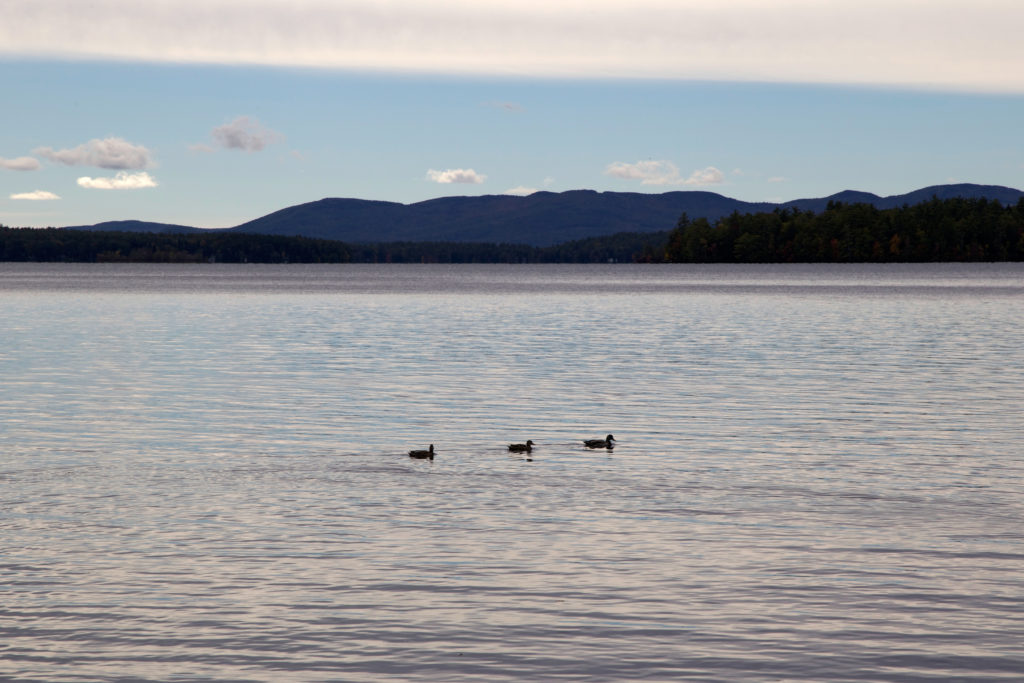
x: 819, y: 474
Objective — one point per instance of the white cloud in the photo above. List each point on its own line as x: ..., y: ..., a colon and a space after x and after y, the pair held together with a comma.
x: 114, y: 153
x: 663, y: 173
x: 122, y: 181
x: 948, y: 44
x: 648, y: 172
x: 37, y: 196
x: 244, y: 133
x: 705, y: 176
x: 456, y: 175
x: 20, y: 164
x: 777, y: 179
x: 521, y: 191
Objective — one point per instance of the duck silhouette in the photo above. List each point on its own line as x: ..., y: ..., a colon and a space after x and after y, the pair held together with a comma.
x: 423, y: 455
x: 608, y: 442
x: 521, y: 447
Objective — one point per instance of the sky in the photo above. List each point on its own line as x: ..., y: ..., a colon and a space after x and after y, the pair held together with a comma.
x: 211, y: 113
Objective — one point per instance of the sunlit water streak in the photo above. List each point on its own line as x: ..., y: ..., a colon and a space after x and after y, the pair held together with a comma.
x: 818, y: 477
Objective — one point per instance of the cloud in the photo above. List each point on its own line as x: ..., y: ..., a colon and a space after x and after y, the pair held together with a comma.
x: 244, y: 133
x: 20, y: 164
x: 122, y: 181
x: 114, y: 153
x: 663, y: 173
x: 521, y: 191
x: 777, y: 179
x: 705, y: 176
x: 456, y: 175
x: 37, y: 196
x: 648, y: 172
x: 945, y: 44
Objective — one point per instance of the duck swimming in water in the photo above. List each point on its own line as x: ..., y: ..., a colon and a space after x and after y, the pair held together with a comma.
x: 423, y: 455
x: 521, y: 447
x: 608, y: 442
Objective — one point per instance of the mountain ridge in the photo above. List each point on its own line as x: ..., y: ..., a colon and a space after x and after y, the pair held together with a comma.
x: 539, y: 219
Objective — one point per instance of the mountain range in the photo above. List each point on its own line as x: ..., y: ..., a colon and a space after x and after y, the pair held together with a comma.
x: 540, y: 219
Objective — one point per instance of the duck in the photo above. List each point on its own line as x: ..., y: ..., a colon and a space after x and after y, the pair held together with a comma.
x: 607, y: 442
x: 521, y: 447
x: 423, y: 455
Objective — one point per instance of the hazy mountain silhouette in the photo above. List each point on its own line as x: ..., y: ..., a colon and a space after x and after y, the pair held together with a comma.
x: 539, y: 219
x: 136, y: 226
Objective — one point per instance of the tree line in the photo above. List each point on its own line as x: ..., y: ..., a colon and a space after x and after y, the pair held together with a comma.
x: 955, y: 229
x: 55, y: 244
x: 61, y: 245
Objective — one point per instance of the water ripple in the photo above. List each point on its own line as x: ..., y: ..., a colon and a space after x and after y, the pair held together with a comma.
x: 203, y: 474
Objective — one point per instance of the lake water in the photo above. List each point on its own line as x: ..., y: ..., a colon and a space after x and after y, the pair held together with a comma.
x: 818, y: 476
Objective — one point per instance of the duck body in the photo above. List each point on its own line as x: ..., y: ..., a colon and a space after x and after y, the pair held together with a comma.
x: 607, y: 442
x: 521, y: 447
x: 423, y: 455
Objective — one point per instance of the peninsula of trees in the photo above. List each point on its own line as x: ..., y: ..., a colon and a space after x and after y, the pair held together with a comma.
x: 954, y: 229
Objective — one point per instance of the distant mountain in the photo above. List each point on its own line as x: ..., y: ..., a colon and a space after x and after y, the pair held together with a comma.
x: 539, y: 219
x: 136, y: 226
x: 1005, y: 195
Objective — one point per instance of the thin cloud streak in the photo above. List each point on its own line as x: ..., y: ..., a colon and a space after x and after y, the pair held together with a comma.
x: 941, y: 44
x: 663, y: 173
x: 20, y: 164
x: 37, y: 196
x: 521, y: 191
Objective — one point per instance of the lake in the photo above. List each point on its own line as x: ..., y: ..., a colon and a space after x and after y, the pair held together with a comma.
x: 818, y: 473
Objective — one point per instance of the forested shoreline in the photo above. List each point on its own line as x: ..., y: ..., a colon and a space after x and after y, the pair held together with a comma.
x: 94, y: 246
x: 89, y: 246
x: 934, y: 231
x: 937, y: 230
